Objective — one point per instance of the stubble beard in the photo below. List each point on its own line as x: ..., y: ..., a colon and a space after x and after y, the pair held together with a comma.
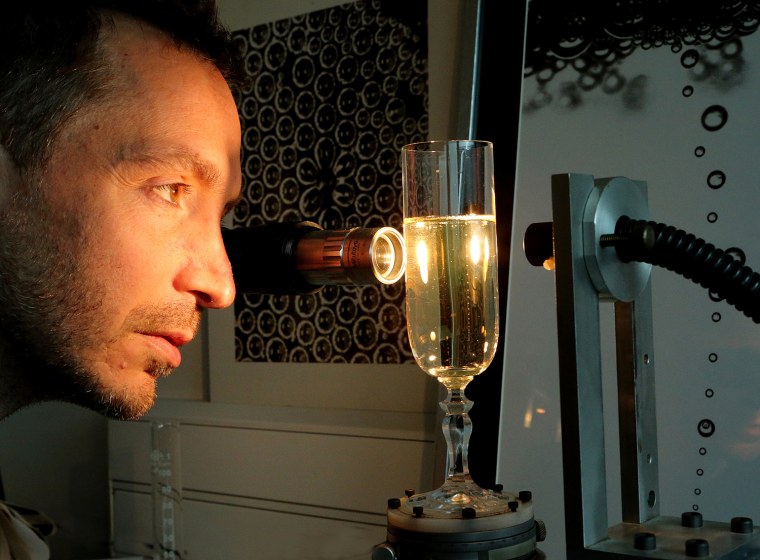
x: 51, y: 312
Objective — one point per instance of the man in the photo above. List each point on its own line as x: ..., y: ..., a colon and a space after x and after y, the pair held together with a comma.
x: 119, y: 156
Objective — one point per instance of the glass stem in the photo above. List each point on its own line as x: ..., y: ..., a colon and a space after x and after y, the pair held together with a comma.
x: 457, y: 428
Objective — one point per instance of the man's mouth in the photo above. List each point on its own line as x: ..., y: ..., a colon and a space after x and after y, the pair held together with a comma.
x: 167, y: 345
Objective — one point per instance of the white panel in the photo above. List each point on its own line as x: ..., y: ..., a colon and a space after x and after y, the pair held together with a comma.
x: 366, y: 423
x: 406, y: 442
x: 132, y: 511
x: 244, y: 528
x: 603, y: 137
x: 129, y: 445
x: 217, y: 531
x: 347, y: 464
x: 333, y: 471
x: 275, y: 472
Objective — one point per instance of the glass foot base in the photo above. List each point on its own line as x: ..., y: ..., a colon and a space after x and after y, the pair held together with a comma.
x: 451, y: 499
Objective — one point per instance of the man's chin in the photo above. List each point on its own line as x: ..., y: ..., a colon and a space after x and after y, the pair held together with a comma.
x: 127, y: 411
x: 132, y: 403
x: 127, y: 401
x: 118, y: 406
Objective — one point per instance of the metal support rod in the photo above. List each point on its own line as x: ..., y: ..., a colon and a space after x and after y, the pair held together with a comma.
x: 580, y: 368
x: 639, y: 479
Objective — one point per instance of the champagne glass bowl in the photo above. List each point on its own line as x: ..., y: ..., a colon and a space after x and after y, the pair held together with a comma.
x: 452, y: 299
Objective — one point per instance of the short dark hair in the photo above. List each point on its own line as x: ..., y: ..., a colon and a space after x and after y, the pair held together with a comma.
x: 51, y: 64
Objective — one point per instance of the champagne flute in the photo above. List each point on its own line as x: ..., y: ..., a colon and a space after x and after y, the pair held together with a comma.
x: 452, y: 299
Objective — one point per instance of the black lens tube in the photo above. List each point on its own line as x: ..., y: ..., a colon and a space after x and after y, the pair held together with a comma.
x: 301, y: 257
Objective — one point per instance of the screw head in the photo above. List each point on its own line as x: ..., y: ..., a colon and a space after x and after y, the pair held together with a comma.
x: 691, y: 519
x: 697, y: 548
x: 741, y: 525
x: 384, y: 551
x: 644, y: 541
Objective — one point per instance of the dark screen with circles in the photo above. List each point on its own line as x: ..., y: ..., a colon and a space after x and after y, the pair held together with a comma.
x: 333, y: 96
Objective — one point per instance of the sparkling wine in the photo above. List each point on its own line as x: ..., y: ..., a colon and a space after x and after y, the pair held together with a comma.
x: 452, y: 300
x: 452, y: 294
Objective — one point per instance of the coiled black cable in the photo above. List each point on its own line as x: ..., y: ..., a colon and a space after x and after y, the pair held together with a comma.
x: 691, y: 257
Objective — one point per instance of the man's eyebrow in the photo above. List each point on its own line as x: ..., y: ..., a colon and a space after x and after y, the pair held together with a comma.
x: 180, y: 159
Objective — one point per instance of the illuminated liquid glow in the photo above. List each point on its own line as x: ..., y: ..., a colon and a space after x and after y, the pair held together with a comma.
x: 453, y: 324
x: 452, y: 295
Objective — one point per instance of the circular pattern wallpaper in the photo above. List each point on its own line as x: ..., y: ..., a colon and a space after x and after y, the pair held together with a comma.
x: 332, y: 98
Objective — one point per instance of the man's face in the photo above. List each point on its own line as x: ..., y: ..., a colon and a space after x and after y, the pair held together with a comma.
x: 117, y: 247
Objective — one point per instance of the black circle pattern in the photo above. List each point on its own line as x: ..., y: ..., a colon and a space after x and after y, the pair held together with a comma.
x: 334, y: 94
x: 594, y: 37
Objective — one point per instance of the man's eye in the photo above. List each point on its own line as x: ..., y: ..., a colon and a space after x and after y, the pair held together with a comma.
x: 171, y: 192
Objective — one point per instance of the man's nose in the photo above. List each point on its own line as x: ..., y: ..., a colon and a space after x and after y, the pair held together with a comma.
x: 207, y: 273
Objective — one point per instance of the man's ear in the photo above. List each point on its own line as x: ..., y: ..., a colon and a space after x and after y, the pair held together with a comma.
x: 9, y: 175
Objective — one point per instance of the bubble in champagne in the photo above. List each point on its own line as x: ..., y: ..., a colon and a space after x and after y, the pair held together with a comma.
x: 714, y: 117
x: 716, y: 179
x: 689, y: 58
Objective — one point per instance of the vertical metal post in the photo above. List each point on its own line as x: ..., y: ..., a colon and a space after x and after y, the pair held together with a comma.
x: 580, y: 368
x: 637, y: 412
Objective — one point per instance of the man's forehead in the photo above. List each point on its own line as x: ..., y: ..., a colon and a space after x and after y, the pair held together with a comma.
x: 130, y: 45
